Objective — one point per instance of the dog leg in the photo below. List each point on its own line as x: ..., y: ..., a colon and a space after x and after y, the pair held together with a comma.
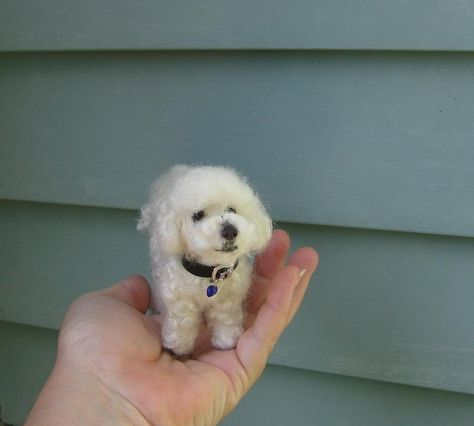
x: 226, y: 321
x: 179, y: 331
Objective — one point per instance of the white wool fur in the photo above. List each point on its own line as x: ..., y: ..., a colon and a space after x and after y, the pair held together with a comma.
x: 179, y: 296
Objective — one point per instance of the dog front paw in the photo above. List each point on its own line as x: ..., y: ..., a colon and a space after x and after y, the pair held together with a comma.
x: 226, y: 337
x: 179, y: 335
x: 179, y: 348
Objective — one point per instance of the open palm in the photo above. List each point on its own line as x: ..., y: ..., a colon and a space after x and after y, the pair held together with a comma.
x: 106, y: 334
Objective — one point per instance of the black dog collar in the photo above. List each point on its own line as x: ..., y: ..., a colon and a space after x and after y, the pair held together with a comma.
x: 216, y: 274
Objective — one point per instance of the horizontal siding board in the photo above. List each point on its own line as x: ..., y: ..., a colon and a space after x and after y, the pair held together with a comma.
x: 384, y: 305
x: 392, y: 306
x: 285, y: 396
x: 211, y: 24
x: 53, y: 254
x: 26, y: 357
x: 371, y: 140
x: 282, y: 396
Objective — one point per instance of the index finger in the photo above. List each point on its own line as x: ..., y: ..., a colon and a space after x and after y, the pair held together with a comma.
x: 266, y: 267
x: 272, y: 259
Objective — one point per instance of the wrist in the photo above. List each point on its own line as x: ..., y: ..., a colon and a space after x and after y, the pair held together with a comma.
x: 72, y: 397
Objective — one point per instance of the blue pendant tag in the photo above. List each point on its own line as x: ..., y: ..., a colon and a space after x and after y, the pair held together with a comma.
x: 211, y: 290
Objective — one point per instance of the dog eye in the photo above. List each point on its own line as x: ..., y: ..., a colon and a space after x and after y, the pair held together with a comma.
x: 231, y: 210
x: 198, y: 215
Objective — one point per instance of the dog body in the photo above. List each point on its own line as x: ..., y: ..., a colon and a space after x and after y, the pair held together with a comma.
x: 204, y: 224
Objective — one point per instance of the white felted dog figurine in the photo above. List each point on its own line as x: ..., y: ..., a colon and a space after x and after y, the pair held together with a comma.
x: 204, y: 224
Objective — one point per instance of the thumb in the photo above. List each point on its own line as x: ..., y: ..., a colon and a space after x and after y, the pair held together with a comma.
x: 133, y: 290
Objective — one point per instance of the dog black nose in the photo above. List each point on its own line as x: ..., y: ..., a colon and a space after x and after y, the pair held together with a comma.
x: 229, y: 232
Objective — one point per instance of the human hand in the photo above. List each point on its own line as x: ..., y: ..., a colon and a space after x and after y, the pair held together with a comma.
x: 112, y: 369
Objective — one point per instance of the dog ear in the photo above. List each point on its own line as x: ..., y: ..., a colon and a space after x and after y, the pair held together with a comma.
x: 264, y: 226
x: 159, y: 218
x: 144, y: 219
x: 163, y: 227
x: 167, y: 230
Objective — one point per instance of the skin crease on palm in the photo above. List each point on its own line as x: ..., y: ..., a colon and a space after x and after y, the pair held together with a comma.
x: 110, y: 362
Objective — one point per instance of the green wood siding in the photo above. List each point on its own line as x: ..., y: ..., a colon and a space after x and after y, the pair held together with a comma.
x: 26, y: 358
x: 353, y: 119
x: 214, y: 24
x: 382, y: 305
x: 305, y: 398
x: 372, y: 140
x: 284, y: 396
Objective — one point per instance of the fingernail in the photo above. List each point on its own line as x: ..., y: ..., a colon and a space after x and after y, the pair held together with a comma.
x: 302, y: 272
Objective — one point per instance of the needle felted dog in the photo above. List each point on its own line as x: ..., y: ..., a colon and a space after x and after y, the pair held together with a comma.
x: 204, y: 225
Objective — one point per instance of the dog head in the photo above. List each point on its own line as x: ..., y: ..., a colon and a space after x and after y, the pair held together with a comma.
x: 207, y: 213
